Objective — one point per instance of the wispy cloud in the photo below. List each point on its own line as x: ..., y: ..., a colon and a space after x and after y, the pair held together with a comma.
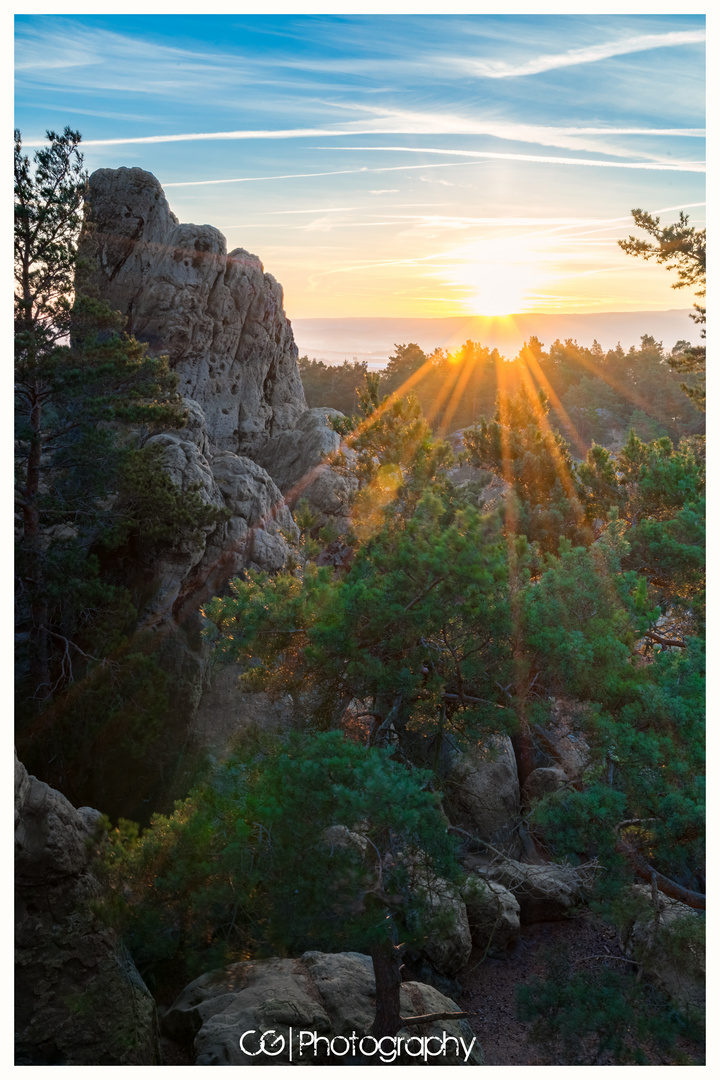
x: 679, y: 166
x: 407, y: 123
x: 590, y: 54
x: 481, y: 156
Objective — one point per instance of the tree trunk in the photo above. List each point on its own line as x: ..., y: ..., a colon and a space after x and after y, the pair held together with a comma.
x: 39, y: 662
x: 524, y: 752
x: 386, y: 965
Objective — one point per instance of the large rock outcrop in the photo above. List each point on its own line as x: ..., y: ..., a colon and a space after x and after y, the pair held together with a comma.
x: 297, y: 460
x: 329, y: 994
x: 668, y: 941
x: 217, y: 315
x: 79, y: 999
x: 483, y: 789
x: 259, y: 531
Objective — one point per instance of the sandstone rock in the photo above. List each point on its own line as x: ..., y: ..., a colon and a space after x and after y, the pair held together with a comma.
x: 297, y: 462
x: 493, y: 914
x: 670, y: 946
x: 542, y: 782
x: 224, y: 711
x: 79, y: 998
x: 218, y: 316
x: 448, y: 946
x: 483, y: 788
x: 259, y: 533
x: 261, y: 530
x: 545, y: 892
x: 562, y: 740
x: 339, y: 836
x: 290, y: 456
x: 329, y: 994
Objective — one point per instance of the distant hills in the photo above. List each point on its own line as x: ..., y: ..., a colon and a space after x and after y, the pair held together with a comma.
x: 335, y: 340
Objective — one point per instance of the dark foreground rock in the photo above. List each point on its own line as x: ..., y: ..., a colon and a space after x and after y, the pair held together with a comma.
x: 79, y: 999
x: 330, y: 995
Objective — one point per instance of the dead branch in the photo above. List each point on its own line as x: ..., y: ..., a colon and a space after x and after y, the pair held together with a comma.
x: 668, y: 642
x: 430, y: 1018
x: 644, y: 870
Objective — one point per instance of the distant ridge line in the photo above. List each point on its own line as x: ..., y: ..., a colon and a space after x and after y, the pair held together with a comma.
x: 372, y: 338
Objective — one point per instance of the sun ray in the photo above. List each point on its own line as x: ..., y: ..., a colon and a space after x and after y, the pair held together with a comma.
x: 541, y: 378
x: 461, y: 381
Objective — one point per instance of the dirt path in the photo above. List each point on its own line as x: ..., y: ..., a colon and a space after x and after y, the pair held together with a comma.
x: 489, y: 986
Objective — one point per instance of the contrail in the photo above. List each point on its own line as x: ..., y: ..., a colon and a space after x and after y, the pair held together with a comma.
x: 456, y: 128
x: 485, y: 156
x: 680, y: 166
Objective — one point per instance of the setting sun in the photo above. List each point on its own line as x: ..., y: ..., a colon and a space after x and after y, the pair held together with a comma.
x: 497, y: 277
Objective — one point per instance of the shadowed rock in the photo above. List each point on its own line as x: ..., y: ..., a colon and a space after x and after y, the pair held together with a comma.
x: 79, y: 999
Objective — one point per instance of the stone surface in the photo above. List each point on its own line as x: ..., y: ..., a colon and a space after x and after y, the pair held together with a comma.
x: 483, y: 788
x: 331, y: 994
x: 218, y: 316
x: 225, y: 711
x: 260, y: 532
x: 669, y: 944
x: 561, y: 741
x: 545, y: 892
x: 79, y: 999
x: 448, y: 946
x: 493, y: 914
x: 297, y: 461
x: 542, y: 782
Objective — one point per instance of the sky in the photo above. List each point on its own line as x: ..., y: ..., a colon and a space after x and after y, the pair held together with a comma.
x: 397, y: 165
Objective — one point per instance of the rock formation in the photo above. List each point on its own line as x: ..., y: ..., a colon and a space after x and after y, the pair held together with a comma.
x: 493, y: 915
x: 546, y: 892
x: 483, y: 788
x: 218, y: 316
x: 331, y: 994
x: 250, y: 443
x: 667, y: 939
x: 79, y: 998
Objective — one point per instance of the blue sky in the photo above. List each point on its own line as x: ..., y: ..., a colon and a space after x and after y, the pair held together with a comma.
x: 396, y: 165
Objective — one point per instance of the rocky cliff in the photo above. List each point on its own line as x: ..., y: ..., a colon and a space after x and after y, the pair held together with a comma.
x: 250, y: 448
x: 250, y: 444
x: 218, y: 316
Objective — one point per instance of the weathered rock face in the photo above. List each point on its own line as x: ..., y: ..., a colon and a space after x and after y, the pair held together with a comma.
x: 297, y: 462
x: 449, y: 946
x: 259, y: 533
x: 562, y: 740
x: 493, y: 914
x: 669, y: 943
x: 483, y: 786
x: 218, y: 316
x: 545, y: 892
x: 225, y: 711
x: 542, y: 782
x: 330, y: 994
x: 79, y: 998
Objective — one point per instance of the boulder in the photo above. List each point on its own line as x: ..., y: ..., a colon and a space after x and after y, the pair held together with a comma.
x: 483, y: 788
x: 326, y: 994
x: 669, y: 943
x: 542, y: 782
x: 259, y: 533
x: 545, y: 892
x: 439, y: 906
x: 79, y: 999
x: 218, y: 316
x: 493, y: 914
x: 562, y: 740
